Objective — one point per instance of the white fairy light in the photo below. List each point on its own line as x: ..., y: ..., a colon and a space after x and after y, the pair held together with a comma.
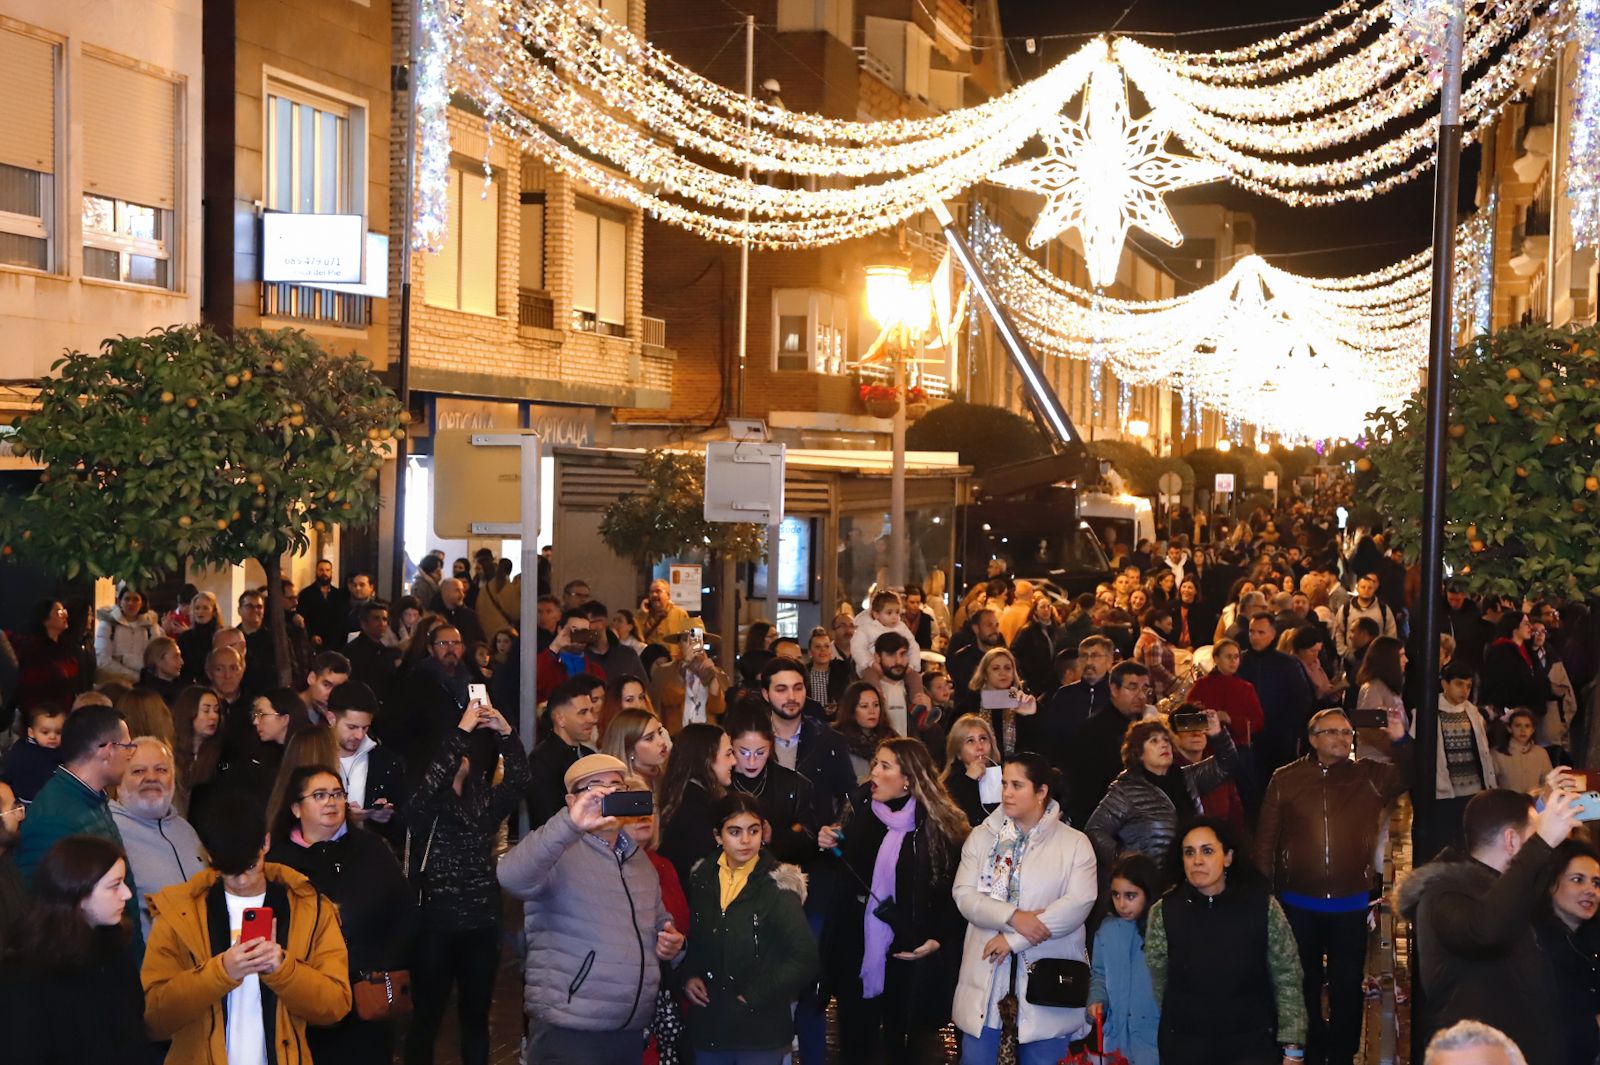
x: 1106, y: 174
x: 1583, y: 157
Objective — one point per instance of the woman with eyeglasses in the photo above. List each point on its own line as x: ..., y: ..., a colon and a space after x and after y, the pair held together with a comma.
x: 275, y: 716
x: 355, y: 868
x: 453, y: 820
x: 72, y: 956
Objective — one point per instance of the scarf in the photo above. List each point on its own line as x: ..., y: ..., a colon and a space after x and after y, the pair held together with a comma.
x: 879, y: 936
x: 1001, y: 879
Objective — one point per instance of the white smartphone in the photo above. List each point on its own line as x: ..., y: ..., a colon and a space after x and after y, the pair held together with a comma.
x: 478, y: 693
x: 989, y: 786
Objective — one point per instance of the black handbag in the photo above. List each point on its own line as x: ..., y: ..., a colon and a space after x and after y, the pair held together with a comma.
x: 1058, y: 982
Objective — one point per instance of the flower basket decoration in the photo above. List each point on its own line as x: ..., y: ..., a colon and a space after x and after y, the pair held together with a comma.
x: 881, y: 401
x: 916, y: 402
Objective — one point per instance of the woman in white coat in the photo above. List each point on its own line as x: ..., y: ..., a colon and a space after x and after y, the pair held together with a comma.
x: 1026, y: 885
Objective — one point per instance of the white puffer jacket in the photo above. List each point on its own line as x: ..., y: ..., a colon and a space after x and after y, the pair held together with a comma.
x: 119, y: 643
x: 1058, y: 878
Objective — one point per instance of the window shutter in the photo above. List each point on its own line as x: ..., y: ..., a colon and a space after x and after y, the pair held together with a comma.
x: 585, y: 260
x: 613, y: 270
x: 441, y: 271
x: 28, y: 87
x: 129, y: 134
x: 480, y: 239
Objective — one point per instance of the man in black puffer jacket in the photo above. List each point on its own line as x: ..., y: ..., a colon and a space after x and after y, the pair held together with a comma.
x: 1473, y: 917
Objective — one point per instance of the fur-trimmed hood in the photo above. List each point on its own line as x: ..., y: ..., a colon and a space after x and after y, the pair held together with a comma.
x: 788, y: 877
x: 1451, y: 871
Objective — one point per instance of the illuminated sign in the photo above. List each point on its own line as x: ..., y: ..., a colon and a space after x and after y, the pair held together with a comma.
x: 312, y: 249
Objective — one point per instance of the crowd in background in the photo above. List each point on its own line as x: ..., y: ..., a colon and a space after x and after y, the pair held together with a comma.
x: 1150, y: 817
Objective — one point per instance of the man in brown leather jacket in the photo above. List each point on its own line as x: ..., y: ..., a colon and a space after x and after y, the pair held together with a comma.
x: 1317, y: 839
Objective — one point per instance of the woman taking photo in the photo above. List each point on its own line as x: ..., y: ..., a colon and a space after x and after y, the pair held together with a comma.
x: 1567, y: 934
x: 750, y: 950
x: 1223, y: 961
x: 638, y: 740
x: 997, y: 672
x: 697, y: 777
x: 1025, y: 885
x: 862, y: 724
x: 969, y: 752
x: 356, y: 869
x: 1150, y: 802
x: 197, y: 730
x: 892, y: 953
x: 70, y: 991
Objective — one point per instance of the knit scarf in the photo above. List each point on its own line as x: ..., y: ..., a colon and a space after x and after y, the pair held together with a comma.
x: 1001, y: 879
x: 879, y: 936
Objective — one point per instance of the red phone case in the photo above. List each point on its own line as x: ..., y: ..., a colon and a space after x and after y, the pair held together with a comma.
x: 257, y: 924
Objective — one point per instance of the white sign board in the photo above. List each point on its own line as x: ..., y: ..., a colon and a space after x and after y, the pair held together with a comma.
x: 376, y: 269
x: 312, y: 248
x: 1170, y: 484
x: 1269, y: 481
x: 744, y: 482
x: 683, y: 584
x: 1225, y: 483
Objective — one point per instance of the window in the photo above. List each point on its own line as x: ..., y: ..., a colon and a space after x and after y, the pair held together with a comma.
x: 831, y: 16
x: 463, y: 275
x: 129, y: 173
x: 27, y: 150
x: 315, y: 152
x: 903, y: 51
x: 809, y: 330
x: 532, y: 257
x: 615, y: 10
x: 599, y: 269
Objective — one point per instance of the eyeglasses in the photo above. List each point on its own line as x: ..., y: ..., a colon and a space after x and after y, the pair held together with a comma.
x: 325, y: 795
x: 259, y: 714
x: 582, y: 788
x: 449, y: 643
x: 14, y: 808
x: 118, y: 743
x: 1342, y: 733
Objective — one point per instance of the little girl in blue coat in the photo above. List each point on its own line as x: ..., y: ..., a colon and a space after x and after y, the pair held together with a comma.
x: 1120, y: 995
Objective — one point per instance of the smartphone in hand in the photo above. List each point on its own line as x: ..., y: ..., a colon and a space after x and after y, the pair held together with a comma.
x: 256, y: 924
x: 478, y: 693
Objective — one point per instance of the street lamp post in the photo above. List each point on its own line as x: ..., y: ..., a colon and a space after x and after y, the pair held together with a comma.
x: 889, y: 298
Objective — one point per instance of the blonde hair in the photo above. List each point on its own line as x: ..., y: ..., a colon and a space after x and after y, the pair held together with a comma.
x: 147, y: 715
x: 156, y: 648
x: 313, y: 746
x: 623, y: 734
x: 980, y: 674
x: 964, y: 726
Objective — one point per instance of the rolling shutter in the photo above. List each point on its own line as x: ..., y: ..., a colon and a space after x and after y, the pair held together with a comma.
x: 129, y: 134
x: 28, y: 87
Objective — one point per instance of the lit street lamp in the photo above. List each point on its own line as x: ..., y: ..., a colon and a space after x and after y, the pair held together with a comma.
x: 901, y: 308
x: 1224, y: 445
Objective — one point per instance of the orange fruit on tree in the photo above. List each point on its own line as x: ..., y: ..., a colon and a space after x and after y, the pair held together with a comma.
x: 1476, y: 545
x: 1511, y: 401
x: 1513, y: 374
x: 1458, y: 431
x: 1545, y: 384
x: 1592, y: 483
x: 1363, y: 464
x: 1522, y: 471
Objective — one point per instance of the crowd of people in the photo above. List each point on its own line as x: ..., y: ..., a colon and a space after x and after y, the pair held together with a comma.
x: 1150, y: 819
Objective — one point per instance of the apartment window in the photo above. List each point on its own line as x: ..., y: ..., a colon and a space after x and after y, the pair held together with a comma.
x: 27, y: 150
x: 463, y: 275
x: 599, y: 269
x: 532, y: 258
x: 903, y: 51
x: 836, y: 17
x: 315, y: 152
x: 130, y: 140
x: 809, y: 330
x: 615, y: 10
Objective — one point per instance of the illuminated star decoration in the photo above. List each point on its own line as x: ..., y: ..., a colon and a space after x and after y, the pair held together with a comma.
x: 1105, y: 175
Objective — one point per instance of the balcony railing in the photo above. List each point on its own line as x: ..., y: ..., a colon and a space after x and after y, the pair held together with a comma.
x: 655, y: 333
x: 873, y: 65
x: 535, y: 309
x: 280, y: 299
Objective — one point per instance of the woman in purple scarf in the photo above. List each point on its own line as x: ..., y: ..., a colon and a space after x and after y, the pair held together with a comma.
x: 894, y: 947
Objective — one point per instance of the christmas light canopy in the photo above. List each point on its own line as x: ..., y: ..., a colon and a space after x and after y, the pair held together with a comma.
x: 1106, y: 174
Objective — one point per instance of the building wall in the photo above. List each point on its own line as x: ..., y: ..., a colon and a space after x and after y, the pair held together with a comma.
x: 344, y: 48
x: 44, y: 313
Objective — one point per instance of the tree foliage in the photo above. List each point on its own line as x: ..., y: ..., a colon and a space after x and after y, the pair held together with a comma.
x: 667, y: 519
x: 1141, y: 470
x: 982, y: 435
x: 186, y: 444
x: 1522, y: 514
x: 1248, y: 467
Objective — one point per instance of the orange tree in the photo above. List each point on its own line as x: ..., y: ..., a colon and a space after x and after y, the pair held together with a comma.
x: 1522, y: 514
x: 184, y: 444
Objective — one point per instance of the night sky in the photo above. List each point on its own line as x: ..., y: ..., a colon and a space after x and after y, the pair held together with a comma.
x: 1308, y: 240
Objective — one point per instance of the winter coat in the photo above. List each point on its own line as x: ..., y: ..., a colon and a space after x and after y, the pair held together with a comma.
x: 689, y: 836
x: 29, y: 767
x: 759, y: 949
x: 186, y: 989
x: 824, y: 759
x: 591, y: 912
x: 1441, y: 777
x: 1235, y: 697
x: 194, y: 643
x: 89, y: 1013
x: 547, y: 769
x: 1521, y: 770
x: 1479, y: 955
x: 1051, y: 730
x: 452, y: 837
x: 383, y: 776
x: 1154, y: 652
x: 119, y: 643
x: 786, y: 805
x: 1286, y: 699
x: 358, y: 872
x: 1574, y: 956
x: 161, y: 852
x: 48, y: 671
x: 1058, y: 880
x: 923, y: 879
x: 1510, y: 679
x: 1225, y: 964
x: 1093, y: 760
x: 1119, y: 979
x: 1139, y: 817
x: 1318, y: 831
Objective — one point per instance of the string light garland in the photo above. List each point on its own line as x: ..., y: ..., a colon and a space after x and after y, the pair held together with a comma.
x: 1105, y: 174
x: 1583, y: 156
x: 1425, y: 27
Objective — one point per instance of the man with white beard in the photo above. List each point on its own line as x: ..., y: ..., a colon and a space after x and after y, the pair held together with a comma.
x: 162, y: 847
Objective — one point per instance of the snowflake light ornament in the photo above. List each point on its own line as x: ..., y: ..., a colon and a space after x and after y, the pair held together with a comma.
x: 1105, y: 174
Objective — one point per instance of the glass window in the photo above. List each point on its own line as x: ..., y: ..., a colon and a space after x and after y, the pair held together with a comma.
x: 599, y: 269
x: 309, y: 155
x: 464, y: 274
x: 125, y: 241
